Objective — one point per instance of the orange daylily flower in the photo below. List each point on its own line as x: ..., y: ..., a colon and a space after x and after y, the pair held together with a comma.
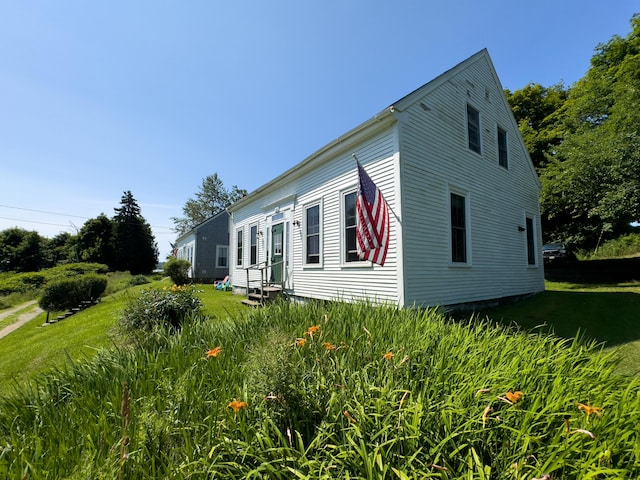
x: 388, y: 356
x: 329, y: 346
x: 214, y: 352
x: 237, y: 405
x: 588, y: 409
x: 300, y: 342
x: 311, y: 330
x: 513, y: 397
x: 349, y: 417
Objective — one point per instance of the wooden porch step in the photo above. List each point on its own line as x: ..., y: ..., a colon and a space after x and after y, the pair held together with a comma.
x: 251, y: 303
x: 269, y: 294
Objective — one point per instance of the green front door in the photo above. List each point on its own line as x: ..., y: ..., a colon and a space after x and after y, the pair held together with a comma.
x: 277, y: 252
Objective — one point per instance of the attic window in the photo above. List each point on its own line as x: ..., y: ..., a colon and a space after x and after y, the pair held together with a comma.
x: 473, y: 128
x: 503, y: 158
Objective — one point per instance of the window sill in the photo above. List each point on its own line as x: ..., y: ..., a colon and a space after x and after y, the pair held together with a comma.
x: 312, y: 266
x: 362, y: 264
x: 460, y: 265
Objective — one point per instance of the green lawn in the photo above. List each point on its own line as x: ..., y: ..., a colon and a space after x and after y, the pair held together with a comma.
x: 607, y: 314
x: 34, y: 348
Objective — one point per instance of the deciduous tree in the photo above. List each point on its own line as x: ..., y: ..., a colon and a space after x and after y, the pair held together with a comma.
x: 591, y: 191
x: 22, y: 251
x: 212, y: 198
x: 95, y: 241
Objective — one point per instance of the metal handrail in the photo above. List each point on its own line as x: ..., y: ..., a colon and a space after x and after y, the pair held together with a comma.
x: 262, y: 267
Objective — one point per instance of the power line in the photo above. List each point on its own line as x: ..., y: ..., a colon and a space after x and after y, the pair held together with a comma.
x: 56, y: 213
x: 42, y: 211
x: 33, y: 221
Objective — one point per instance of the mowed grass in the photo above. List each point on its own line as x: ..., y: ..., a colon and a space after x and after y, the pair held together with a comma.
x: 36, y: 348
x: 606, y: 314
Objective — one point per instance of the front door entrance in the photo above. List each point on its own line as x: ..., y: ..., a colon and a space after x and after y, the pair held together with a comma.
x: 277, y: 252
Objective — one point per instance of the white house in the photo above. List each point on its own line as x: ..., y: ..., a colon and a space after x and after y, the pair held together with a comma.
x: 206, y: 247
x: 461, y: 189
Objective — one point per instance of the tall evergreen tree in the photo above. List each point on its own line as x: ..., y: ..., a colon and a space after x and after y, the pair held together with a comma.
x: 135, y: 246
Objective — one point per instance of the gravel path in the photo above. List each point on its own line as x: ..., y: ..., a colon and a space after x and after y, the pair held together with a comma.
x: 24, y: 317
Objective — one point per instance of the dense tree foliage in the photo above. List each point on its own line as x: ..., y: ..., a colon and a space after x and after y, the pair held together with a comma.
x: 22, y: 251
x: 124, y: 242
x: 62, y: 249
x: 95, y: 242
x: 585, y: 143
x: 134, y: 243
x: 537, y: 110
x: 212, y: 198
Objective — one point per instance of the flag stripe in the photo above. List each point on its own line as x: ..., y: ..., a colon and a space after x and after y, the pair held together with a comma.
x: 372, y: 220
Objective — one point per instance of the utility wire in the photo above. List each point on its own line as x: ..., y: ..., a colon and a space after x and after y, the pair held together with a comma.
x: 42, y: 211
x: 33, y: 221
x: 55, y: 213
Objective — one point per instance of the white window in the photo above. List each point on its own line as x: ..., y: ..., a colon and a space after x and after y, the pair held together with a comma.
x: 349, y: 219
x: 531, y: 241
x: 222, y: 256
x: 473, y: 128
x: 253, y: 244
x: 459, y: 228
x: 312, y: 232
x: 503, y: 157
x: 239, y: 247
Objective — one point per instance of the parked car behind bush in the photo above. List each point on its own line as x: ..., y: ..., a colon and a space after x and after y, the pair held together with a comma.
x: 554, y: 251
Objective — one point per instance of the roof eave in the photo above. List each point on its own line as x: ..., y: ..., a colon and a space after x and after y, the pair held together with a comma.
x: 318, y: 156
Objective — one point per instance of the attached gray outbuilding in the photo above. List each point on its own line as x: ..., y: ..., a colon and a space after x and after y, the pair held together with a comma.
x: 206, y: 247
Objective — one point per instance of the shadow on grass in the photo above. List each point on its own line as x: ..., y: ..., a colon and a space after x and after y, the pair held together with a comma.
x: 612, y: 318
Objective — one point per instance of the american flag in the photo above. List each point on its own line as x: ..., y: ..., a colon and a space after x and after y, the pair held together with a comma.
x: 372, y: 224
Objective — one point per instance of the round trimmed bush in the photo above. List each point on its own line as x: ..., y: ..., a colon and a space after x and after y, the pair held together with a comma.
x: 71, y: 292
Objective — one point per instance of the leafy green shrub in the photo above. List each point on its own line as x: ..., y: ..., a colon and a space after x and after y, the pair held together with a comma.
x: 152, y: 308
x: 81, y: 268
x: 70, y: 292
x: 138, y: 280
x: 178, y: 270
x: 22, y: 282
x: 33, y: 281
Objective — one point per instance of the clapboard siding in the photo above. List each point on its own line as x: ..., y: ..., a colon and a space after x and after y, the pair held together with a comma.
x: 326, y: 183
x: 434, y: 159
x: 416, y: 152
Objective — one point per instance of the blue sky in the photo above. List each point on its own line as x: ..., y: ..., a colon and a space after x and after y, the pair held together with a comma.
x: 152, y: 96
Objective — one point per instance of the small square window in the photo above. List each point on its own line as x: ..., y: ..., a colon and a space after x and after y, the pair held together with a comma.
x: 222, y: 256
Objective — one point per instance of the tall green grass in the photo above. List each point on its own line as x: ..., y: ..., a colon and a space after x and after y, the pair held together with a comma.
x: 624, y: 246
x: 329, y: 391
